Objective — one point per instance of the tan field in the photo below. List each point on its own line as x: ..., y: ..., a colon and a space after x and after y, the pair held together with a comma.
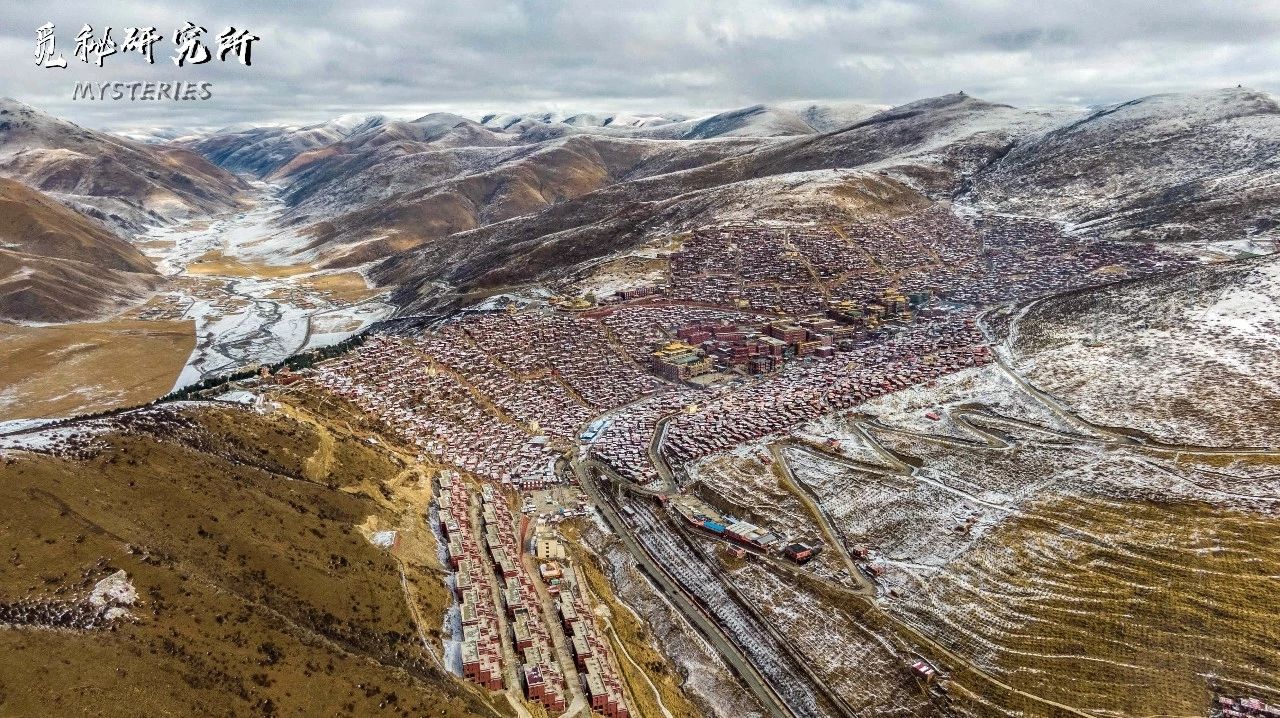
x: 340, y: 286
x: 73, y: 369
x: 215, y: 263
x: 343, y: 286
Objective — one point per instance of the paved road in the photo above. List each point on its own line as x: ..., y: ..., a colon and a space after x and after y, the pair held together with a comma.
x: 805, y: 494
x: 655, y: 454
x: 756, y: 683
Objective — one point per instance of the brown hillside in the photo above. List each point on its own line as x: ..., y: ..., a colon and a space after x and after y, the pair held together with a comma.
x: 258, y: 592
x: 31, y: 223
x: 57, y: 265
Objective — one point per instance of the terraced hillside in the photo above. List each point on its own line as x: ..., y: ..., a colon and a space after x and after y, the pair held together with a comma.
x: 1052, y: 553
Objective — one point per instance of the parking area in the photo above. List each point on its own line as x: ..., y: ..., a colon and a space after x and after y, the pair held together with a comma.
x: 553, y: 502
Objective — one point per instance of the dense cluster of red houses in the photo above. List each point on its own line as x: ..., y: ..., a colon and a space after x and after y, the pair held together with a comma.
x: 539, y: 669
x: 759, y: 348
x: 574, y: 349
x: 477, y: 561
x: 481, y: 630
x: 800, y: 269
x: 395, y: 381
x: 535, y: 399
x: 624, y: 442
x: 1025, y: 257
x: 642, y: 327
x: 777, y: 401
x: 1228, y: 707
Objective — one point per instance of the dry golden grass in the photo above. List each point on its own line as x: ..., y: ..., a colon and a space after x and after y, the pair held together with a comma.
x: 72, y: 369
x: 875, y: 194
x: 339, y: 286
x: 38, y: 225
x: 215, y: 263
x: 1237, y: 462
x: 342, y: 286
x: 154, y: 244
x: 259, y: 593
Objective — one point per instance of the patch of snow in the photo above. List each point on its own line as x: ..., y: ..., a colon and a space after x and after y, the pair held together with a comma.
x: 114, y: 594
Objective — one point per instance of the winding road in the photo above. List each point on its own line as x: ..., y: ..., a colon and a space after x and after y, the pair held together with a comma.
x: 980, y: 430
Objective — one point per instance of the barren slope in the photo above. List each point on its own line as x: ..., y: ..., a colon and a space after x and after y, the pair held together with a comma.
x: 1211, y: 336
x: 125, y: 184
x: 57, y: 265
x: 1196, y: 166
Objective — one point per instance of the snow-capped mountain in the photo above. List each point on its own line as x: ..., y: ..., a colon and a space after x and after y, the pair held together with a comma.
x: 1192, y: 166
x: 590, y: 183
x: 258, y: 151
x: 125, y: 184
x: 518, y: 122
x: 780, y: 120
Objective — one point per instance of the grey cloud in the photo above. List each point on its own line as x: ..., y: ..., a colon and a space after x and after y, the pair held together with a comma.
x: 1031, y: 37
x: 321, y: 58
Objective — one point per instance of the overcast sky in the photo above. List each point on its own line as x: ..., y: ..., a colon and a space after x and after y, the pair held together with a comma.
x: 321, y: 58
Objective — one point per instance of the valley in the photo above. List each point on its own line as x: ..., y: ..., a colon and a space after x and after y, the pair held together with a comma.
x: 949, y: 409
x: 219, y: 301
x: 251, y: 300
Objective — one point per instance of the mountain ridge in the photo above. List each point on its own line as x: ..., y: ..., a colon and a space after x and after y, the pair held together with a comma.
x: 387, y: 193
x: 57, y: 265
x: 124, y: 184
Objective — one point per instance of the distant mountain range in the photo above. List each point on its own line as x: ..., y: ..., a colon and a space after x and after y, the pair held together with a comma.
x: 444, y: 201
x: 442, y: 207
x: 126, y: 185
x: 69, y: 196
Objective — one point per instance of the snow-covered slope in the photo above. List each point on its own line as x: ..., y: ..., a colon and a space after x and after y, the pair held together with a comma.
x: 786, y: 119
x: 162, y: 135
x: 258, y: 151
x: 831, y: 116
x: 519, y: 122
x: 442, y: 128
x: 1192, y: 358
x: 935, y: 144
x: 1203, y: 165
x: 122, y: 183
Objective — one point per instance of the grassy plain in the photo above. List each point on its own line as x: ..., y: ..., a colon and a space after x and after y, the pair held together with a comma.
x: 62, y: 370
